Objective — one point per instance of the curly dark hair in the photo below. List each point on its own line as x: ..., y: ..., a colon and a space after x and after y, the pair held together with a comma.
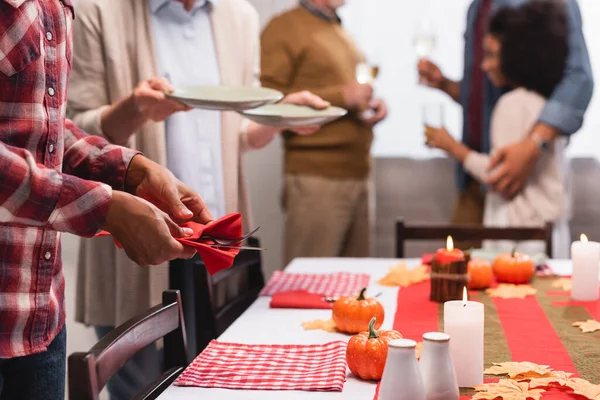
x: 534, y: 44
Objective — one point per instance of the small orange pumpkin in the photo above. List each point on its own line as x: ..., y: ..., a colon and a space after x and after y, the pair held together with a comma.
x: 352, y: 315
x: 481, y: 274
x: 514, y: 268
x: 367, y: 352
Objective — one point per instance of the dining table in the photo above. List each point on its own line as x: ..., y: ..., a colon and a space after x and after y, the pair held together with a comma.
x: 537, y: 329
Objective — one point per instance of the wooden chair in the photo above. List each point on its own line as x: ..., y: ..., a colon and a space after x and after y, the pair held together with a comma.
x: 212, y: 320
x: 89, y: 372
x: 466, y: 232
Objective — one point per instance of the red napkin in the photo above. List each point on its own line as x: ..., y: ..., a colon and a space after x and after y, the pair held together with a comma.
x: 427, y: 259
x: 215, y: 259
x: 299, y: 299
x: 320, y: 367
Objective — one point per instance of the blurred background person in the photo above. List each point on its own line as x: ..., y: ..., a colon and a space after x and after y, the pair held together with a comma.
x: 536, y: 32
x: 327, y: 176
x: 562, y: 114
x: 127, y: 55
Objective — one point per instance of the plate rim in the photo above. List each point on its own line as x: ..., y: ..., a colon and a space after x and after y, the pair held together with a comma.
x: 277, y: 95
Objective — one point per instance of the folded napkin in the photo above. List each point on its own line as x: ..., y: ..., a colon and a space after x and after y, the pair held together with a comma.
x: 319, y: 367
x: 299, y: 299
x: 330, y: 285
x: 215, y: 259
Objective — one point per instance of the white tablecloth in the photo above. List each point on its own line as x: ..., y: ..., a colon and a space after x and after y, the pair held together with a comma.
x: 260, y: 324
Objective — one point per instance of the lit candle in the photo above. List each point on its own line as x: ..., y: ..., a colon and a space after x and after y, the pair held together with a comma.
x: 463, y: 321
x: 586, y: 269
x: 449, y: 254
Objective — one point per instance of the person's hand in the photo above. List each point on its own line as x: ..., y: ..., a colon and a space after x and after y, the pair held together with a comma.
x: 511, y: 166
x: 305, y: 98
x: 187, y: 4
x: 151, y: 101
x: 357, y: 96
x: 146, y: 233
x: 381, y: 111
x: 430, y: 74
x: 159, y: 186
x: 439, y: 138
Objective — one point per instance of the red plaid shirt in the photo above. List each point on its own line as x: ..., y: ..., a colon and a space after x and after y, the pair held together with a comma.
x: 47, y: 169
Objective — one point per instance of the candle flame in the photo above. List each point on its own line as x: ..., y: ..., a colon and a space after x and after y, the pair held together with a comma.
x: 465, y: 297
x: 449, y: 243
x: 583, y: 238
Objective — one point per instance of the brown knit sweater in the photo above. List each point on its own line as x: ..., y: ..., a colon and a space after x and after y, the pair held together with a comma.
x: 301, y: 51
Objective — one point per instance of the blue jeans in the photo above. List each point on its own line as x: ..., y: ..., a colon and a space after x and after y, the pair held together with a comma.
x: 137, y: 373
x: 38, y: 376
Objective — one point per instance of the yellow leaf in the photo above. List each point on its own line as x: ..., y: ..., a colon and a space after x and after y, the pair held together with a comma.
x: 399, y: 275
x: 584, y: 388
x: 563, y: 284
x: 591, y: 325
x: 510, y: 291
x: 559, y: 378
x: 320, y: 324
x: 507, y: 389
x: 520, y: 370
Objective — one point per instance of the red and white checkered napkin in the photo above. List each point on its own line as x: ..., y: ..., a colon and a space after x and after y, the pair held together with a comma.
x: 330, y: 285
x: 319, y: 367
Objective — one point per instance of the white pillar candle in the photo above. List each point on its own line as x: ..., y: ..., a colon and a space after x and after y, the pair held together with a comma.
x: 586, y: 269
x: 464, y: 321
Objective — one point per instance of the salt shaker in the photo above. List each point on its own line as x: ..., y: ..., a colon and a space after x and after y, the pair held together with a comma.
x: 437, y: 369
x: 401, y: 377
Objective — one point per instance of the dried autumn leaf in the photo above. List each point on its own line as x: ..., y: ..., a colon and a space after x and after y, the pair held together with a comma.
x: 559, y: 378
x: 520, y: 370
x: 510, y: 291
x: 507, y: 389
x: 584, y: 388
x: 563, y: 284
x: 591, y: 325
x: 320, y: 324
x: 399, y: 275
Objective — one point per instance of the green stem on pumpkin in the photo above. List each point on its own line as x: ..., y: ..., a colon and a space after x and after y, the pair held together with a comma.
x: 372, y: 332
x: 361, y: 296
x: 512, y: 253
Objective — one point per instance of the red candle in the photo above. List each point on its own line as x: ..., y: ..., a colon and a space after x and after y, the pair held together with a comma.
x: 449, y: 254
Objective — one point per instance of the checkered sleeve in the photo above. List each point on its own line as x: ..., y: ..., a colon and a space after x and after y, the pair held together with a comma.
x: 94, y: 158
x: 33, y: 195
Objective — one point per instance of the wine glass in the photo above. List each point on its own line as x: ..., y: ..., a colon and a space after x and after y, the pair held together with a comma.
x: 424, y: 41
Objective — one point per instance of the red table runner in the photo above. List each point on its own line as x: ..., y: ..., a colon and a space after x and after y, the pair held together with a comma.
x: 536, y: 329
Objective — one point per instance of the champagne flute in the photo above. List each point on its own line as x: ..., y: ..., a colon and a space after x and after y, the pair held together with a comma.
x: 424, y: 41
x: 433, y: 115
x: 366, y: 73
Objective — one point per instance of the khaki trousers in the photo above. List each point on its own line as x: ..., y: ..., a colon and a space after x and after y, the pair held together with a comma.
x: 327, y: 217
x: 468, y: 210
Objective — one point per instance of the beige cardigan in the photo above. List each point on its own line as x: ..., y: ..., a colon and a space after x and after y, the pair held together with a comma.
x: 544, y: 197
x: 114, y: 50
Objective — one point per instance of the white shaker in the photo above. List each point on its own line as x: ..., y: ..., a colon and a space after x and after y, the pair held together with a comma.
x: 437, y: 368
x: 401, y: 377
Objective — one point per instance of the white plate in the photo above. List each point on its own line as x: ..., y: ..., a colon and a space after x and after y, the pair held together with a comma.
x: 225, y: 98
x: 284, y: 115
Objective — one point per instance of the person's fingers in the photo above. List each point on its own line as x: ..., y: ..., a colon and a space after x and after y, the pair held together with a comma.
x: 496, y: 177
x: 176, y: 230
x: 175, y: 205
x: 513, y: 189
x: 160, y: 84
x: 497, y: 158
x: 305, y: 131
x: 196, y: 205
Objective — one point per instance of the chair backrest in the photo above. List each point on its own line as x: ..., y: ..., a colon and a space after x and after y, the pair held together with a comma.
x: 212, y: 319
x: 468, y: 232
x: 89, y: 372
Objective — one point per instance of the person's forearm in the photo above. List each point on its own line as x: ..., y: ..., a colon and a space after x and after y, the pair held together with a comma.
x: 121, y: 120
x: 459, y: 151
x: 451, y: 88
x: 258, y: 136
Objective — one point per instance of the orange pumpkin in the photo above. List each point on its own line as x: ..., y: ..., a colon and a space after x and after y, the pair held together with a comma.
x: 481, y: 274
x: 367, y: 352
x: 352, y: 315
x: 514, y: 268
